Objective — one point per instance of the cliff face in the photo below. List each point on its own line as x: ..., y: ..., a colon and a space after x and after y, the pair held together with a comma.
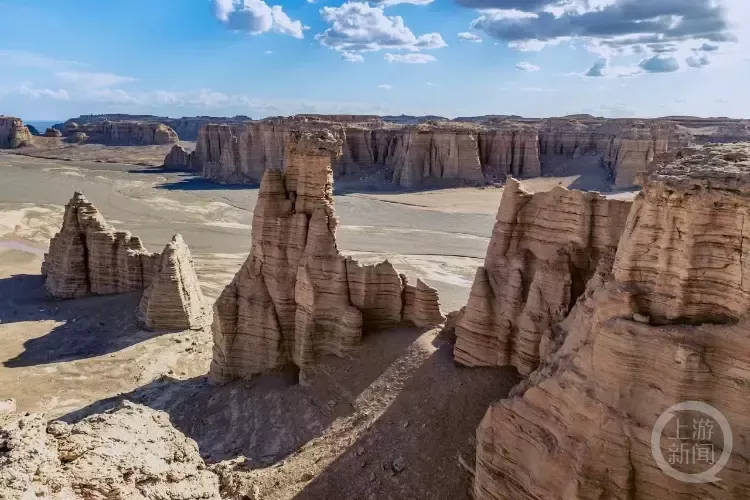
x: 665, y: 323
x: 123, y: 133
x: 88, y: 256
x: 544, y: 248
x: 179, y: 157
x: 296, y: 297
x: 445, y: 152
x: 13, y: 133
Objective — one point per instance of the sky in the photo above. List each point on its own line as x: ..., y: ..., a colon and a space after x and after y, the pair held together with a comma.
x: 535, y: 58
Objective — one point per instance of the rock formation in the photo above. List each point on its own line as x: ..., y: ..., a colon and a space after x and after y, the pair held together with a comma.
x: 421, y: 304
x: 130, y: 452
x: 32, y: 130
x: 544, y: 248
x: 179, y: 157
x: 665, y: 323
x: 173, y: 300
x: 296, y: 297
x: 88, y: 256
x: 52, y: 132
x: 13, y: 133
x: 76, y: 137
x: 442, y: 151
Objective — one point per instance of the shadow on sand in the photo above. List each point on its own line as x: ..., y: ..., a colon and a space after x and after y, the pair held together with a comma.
x: 88, y: 327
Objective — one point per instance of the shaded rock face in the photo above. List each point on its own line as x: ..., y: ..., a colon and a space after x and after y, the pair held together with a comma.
x: 179, y: 157
x: 296, y: 297
x: 442, y: 151
x: 88, y: 256
x: 124, y: 133
x: 544, y: 248
x: 130, y: 452
x: 173, y: 300
x: 13, y: 133
x: 52, y: 132
x: 664, y: 323
x: 421, y: 304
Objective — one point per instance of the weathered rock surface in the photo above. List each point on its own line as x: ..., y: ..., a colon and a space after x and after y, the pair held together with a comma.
x: 544, y: 248
x: 173, y: 300
x: 179, y: 157
x: 32, y: 129
x: 76, y: 137
x: 669, y: 324
x: 52, y: 132
x: 421, y: 306
x: 131, y: 452
x: 296, y: 297
x: 13, y: 133
x: 88, y: 256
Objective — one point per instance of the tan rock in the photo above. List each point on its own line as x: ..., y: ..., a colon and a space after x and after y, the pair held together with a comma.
x: 124, y: 133
x: 52, y: 132
x: 173, y: 300
x: 581, y: 426
x: 13, y: 133
x: 88, y: 256
x: 421, y: 304
x: 544, y: 248
x: 179, y: 157
x: 296, y: 297
x: 131, y: 452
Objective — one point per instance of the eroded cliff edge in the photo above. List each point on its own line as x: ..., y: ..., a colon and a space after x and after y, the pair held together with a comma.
x: 440, y: 152
x: 13, y: 133
x: 664, y: 322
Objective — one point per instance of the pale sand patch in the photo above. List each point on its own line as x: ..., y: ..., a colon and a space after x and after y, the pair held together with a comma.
x: 385, y: 230
x: 33, y: 223
x: 229, y: 225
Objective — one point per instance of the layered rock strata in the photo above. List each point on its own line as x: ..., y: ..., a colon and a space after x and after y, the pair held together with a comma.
x: 179, y: 157
x: 173, y: 300
x: 296, y: 297
x: 130, y: 452
x: 88, y: 256
x: 665, y: 323
x: 421, y: 306
x: 444, y: 151
x: 544, y: 248
x: 13, y: 133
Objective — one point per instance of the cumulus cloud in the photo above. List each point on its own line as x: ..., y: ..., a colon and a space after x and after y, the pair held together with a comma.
x: 527, y: 66
x: 93, y: 80
x: 256, y: 17
x: 470, y: 37
x: 659, y: 64
x: 598, y: 69
x: 707, y: 47
x: 28, y: 90
x: 386, y: 86
x: 352, y: 57
x: 698, y: 61
x: 617, y: 23
x: 358, y: 27
x: 414, y: 58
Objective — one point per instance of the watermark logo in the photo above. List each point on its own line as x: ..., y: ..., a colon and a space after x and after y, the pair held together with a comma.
x: 692, y: 445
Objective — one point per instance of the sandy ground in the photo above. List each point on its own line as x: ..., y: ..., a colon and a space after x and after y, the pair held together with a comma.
x: 57, y: 148
x: 397, y: 400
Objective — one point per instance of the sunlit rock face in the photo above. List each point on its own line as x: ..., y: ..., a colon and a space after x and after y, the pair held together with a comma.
x: 663, y: 322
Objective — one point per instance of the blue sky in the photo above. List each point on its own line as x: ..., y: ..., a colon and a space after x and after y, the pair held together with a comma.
x: 446, y: 57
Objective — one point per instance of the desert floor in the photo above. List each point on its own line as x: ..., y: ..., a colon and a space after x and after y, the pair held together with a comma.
x: 398, y: 397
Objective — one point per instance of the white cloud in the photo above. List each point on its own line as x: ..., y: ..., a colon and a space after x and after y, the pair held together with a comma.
x: 698, y: 61
x: 256, y: 17
x: 28, y: 90
x: 268, y: 52
x: 386, y: 86
x: 410, y: 58
x: 470, y: 37
x: 93, y: 80
x: 357, y: 27
x: 537, y: 89
x: 659, y: 64
x: 430, y: 84
x: 352, y: 57
x: 527, y: 66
